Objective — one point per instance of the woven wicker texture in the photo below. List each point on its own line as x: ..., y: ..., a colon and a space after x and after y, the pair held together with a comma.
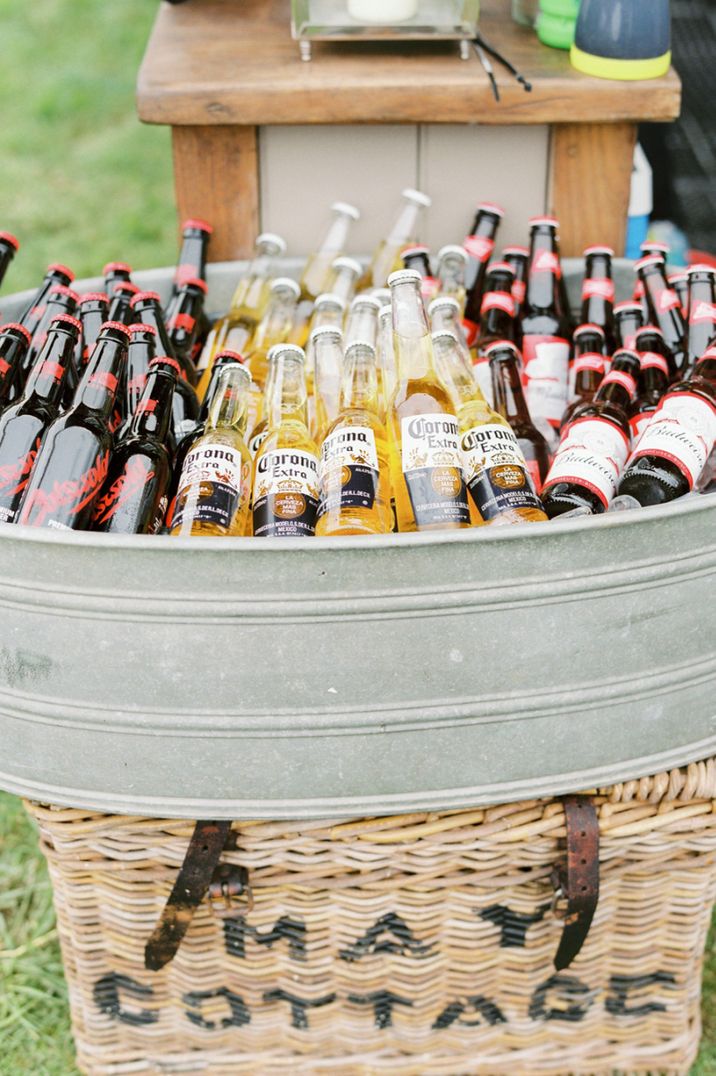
x: 418, y: 945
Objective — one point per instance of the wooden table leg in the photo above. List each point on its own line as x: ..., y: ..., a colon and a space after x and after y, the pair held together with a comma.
x: 216, y: 177
x: 591, y: 165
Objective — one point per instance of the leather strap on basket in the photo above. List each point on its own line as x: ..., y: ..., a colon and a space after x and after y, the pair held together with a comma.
x: 192, y: 884
x: 579, y: 880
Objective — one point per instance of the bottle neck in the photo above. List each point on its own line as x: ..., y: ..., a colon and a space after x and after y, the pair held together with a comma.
x: 153, y: 412
x: 13, y: 348
x: 543, y: 274
x: 335, y: 238
x: 618, y: 387
x: 276, y: 323
x: 288, y: 403
x: 45, y: 381
x: 362, y: 324
x: 455, y: 370
x: 628, y: 325
x: 192, y: 256
x: 405, y: 226
x: 229, y: 406
x: 485, y: 224
x: 141, y: 351
x: 31, y: 317
x: 98, y: 388
x: 509, y: 397
x: 359, y: 386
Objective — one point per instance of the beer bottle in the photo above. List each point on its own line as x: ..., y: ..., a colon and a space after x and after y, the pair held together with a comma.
x: 134, y: 498
x: 142, y: 349
x: 23, y: 423
x: 9, y: 247
x: 54, y: 275
x: 146, y: 308
x: 328, y: 353
x: 545, y: 332
x: 403, y: 232
x: 510, y: 403
x: 120, y: 305
x: 452, y: 265
x: 676, y: 444
x: 317, y: 274
x: 479, y: 245
x: 215, y: 483
x: 598, y: 292
x: 648, y: 249
x: 665, y: 311
x: 73, y: 460
x: 116, y: 274
x: 329, y: 310
x: 195, y: 236
x: 14, y: 342
x: 653, y: 378
x: 595, y: 445
x: 628, y: 319
x: 385, y: 360
x: 497, y: 321
x: 707, y: 364
x: 184, y: 321
x: 701, y: 305
x: 381, y: 295
x: 185, y: 412
x: 517, y: 258
x: 354, y: 471
x: 60, y: 300
x: 444, y: 316
x: 418, y: 257
x: 342, y: 280
x: 495, y: 469
x: 679, y: 282
x: 285, y: 482
x: 362, y: 321
x: 426, y: 465
x: 587, y: 369
x: 274, y: 328
x: 93, y: 313
x: 258, y: 434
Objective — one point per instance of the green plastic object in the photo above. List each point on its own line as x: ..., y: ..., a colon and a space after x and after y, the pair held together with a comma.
x: 556, y: 22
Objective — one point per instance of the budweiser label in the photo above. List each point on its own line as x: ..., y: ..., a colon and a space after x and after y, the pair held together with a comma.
x: 702, y: 311
x: 667, y: 300
x: 545, y: 261
x: 212, y: 480
x: 592, y: 455
x: 498, y: 300
x: 620, y: 377
x: 682, y: 430
x: 546, y: 363
x: 432, y: 466
x: 349, y: 469
x: 652, y: 360
x: 598, y: 289
x: 479, y: 247
x: 286, y: 492
x: 495, y: 471
x: 638, y: 424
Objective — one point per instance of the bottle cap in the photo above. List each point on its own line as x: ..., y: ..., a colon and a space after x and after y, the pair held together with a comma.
x: 500, y: 267
x: 700, y: 267
x: 271, y: 237
x: 598, y: 250
x: 550, y: 222
x: 347, y: 208
x: 128, y: 286
x: 326, y: 330
x: 490, y: 207
x: 651, y: 246
x: 8, y: 237
x: 588, y: 327
x: 116, y: 267
x: 59, y: 268
x: 344, y: 262
x: 500, y: 345
x: 417, y: 196
x: 454, y: 250
x: 293, y: 350
x: 281, y: 282
x: 62, y: 289
x: 417, y: 249
x: 650, y: 329
x: 234, y: 356
x: 145, y: 296
x: 650, y: 259
x: 166, y: 360
x: 367, y: 300
x: 195, y: 282
x: 66, y: 319
x: 94, y: 296
x: 329, y: 297
x: 118, y: 326
x: 18, y: 328
x: 402, y: 276
x: 627, y: 304
x: 443, y: 300
x: 516, y: 250
x: 140, y: 327
x: 198, y: 223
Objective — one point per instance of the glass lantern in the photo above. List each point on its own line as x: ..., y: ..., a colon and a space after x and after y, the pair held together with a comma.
x: 384, y: 20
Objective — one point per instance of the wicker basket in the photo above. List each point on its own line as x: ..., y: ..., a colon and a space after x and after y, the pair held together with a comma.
x: 420, y: 944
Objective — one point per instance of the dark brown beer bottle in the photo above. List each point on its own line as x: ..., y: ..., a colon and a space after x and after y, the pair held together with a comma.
x: 186, y: 310
x: 675, y: 445
x: 134, y: 498
x: 680, y: 284
x: 479, y: 245
x: 142, y: 349
x: 146, y: 307
x: 665, y: 311
x: 116, y: 273
x: 73, y: 460
x: 595, y: 445
x: 517, y: 258
x: 545, y: 330
x: 497, y: 321
x: 9, y: 247
x: 702, y: 311
x: 653, y: 378
x: 60, y: 300
x: 587, y: 368
x: 598, y: 292
x: 509, y: 401
x: 196, y: 234
x: 649, y: 249
x: 418, y: 257
x: 54, y: 275
x: 14, y: 342
x: 120, y: 308
x: 93, y: 313
x: 23, y: 423
x: 628, y: 319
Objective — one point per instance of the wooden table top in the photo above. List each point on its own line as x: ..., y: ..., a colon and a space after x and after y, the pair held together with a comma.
x: 234, y: 62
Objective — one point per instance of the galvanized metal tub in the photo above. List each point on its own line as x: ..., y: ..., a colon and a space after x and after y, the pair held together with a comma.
x: 249, y: 678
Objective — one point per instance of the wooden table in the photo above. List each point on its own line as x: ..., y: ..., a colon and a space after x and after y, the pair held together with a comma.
x: 216, y: 70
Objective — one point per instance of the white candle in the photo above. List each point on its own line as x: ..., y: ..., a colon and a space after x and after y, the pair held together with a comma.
x: 382, y: 11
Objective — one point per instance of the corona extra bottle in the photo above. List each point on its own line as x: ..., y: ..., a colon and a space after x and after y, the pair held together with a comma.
x: 426, y: 465
x: 444, y: 316
x: 274, y: 328
x: 215, y: 483
x: 285, y: 483
x: 328, y: 352
x: 385, y: 357
x: 329, y: 310
x: 355, y: 483
x: 497, y: 475
x: 362, y: 321
x: 404, y: 231
x: 317, y: 273
x: 452, y: 263
x: 343, y: 279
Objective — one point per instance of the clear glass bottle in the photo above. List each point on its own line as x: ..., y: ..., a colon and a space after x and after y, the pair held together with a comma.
x: 452, y: 265
x: 362, y: 321
x: 317, y: 273
x: 404, y: 230
x: 328, y: 354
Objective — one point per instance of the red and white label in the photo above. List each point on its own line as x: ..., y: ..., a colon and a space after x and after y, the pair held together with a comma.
x: 479, y: 247
x: 652, y: 360
x: 591, y: 360
x: 483, y: 377
x: 600, y: 289
x: 519, y: 290
x: 471, y: 330
x: 667, y: 300
x: 429, y: 288
x: 592, y: 455
x: 702, y: 311
x: 545, y: 261
x: 638, y: 424
x: 498, y: 300
x: 682, y: 430
x: 620, y: 377
x: 533, y: 471
x: 546, y: 364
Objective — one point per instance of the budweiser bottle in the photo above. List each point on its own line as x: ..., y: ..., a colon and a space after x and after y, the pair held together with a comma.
x: 317, y: 274
x: 56, y: 274
x: 595, y: 445
x: 328, y: 353
x: 116, y: 273
x: 510, y: 402
x: 479, y: 245
x: 23, y: 423
x: 120, y: 307
x: 418, y: 257
x: 702, y: 311
x: 195, y: 236
x: 545, y: 333
x: 135, y: 494
x: 9, y: 246
x: 586, y: 369
x: 146, y: 308
x: 649, y: 249
x: 598, y: 292
x: 404, y: 231
x: 497, y: 321
x: 362, y: 321
x: 676, y: 444
x: 628, y: 319
x: 679, y: 282
x: 452, y: 264
x: 342, y: 280
x: 653, y: 378
x: 185, y: 318
x: 73, y: 461
x: 385, y: 354
x: 14, y: 342
x: 664, y: 310
x: 517, y: 258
